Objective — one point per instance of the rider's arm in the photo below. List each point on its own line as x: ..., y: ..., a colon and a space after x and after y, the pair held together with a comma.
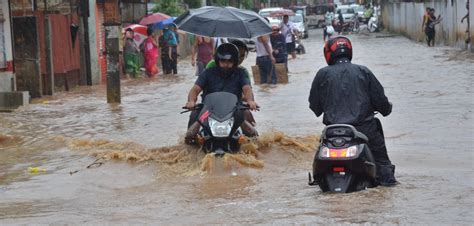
x: 192, y: 96
x: 315, y: 95
x: 377, y: 95
x: 201, y: 82
x: 248, y: 97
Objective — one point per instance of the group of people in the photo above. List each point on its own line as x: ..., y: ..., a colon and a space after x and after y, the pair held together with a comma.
x: 151, y: 48
x: 270, y: 50
x: 275, y: 48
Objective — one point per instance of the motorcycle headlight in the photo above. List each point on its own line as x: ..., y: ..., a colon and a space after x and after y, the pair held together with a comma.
x: 221, y: 129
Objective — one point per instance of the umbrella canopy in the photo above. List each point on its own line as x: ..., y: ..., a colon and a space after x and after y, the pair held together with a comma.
x: 140, y: 33
x: 281, y: 12
x: 153, y: 18
x: 136, y: 28
x: 164, y: 23
x: 225, y: 22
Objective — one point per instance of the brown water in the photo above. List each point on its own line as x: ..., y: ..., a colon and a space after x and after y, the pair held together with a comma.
x: 140, y: 172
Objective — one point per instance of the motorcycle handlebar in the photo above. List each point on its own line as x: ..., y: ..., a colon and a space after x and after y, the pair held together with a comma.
x: 247, y: 107
x: 241, y: 107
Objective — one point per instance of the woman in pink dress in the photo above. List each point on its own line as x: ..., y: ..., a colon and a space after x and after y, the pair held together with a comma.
x: 150, y: 53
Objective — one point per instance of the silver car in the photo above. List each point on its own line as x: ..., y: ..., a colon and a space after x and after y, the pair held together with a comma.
x: 348, y: 13
x: 300, y: 24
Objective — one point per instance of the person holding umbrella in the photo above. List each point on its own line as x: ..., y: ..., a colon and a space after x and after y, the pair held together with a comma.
x: 130, y: 54
x: 167, y: 43
x: 149, y: 48
x: 289, y: 30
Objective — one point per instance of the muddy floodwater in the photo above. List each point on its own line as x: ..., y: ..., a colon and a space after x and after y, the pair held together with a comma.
x: 98, y: 163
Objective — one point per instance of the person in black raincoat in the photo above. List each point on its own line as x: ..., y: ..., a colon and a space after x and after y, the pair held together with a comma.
x: 350, y: 94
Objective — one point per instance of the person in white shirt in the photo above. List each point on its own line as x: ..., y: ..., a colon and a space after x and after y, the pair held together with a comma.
x: 289, y: 30
x: 219, y: 41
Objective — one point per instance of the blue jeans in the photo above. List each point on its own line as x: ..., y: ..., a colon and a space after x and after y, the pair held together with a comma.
x: 265, y: 66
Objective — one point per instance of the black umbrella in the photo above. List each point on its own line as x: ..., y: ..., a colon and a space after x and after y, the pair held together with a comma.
x: 225, y: 22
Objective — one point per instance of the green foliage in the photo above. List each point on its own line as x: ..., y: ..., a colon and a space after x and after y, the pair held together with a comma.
x: 193, y: 3
x: 221, y: 2
x: 247, y: 4
x: 170, y: 7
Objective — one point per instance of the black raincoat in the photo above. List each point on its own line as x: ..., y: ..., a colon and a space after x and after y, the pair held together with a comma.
x: 347, y: 94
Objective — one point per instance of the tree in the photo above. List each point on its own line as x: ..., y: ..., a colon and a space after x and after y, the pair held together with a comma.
x: 192, y: 4
x: 247, y: 4
x: 170, y: 7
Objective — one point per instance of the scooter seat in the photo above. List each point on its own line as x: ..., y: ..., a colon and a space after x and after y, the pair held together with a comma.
x: 343, y: 130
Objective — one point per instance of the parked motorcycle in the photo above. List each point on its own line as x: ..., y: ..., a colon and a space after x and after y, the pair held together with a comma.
x: 343, y: 163
x: 374, y: 24
x: 220, y: 118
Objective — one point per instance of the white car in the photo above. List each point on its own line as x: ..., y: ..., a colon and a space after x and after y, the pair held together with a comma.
x: 299, y: 23
x: 266, y: 11
x: 347, y: 12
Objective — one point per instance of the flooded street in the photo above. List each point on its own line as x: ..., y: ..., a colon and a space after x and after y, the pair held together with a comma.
x: 141, y: 172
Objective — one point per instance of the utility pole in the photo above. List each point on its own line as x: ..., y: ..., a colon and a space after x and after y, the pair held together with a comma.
x: 87, y: 50
x: 112, y: 39
x: 49, y: 88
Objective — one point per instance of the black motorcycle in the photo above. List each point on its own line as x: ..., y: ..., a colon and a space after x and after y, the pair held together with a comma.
x: 343, y: 163
x: 220, y: 118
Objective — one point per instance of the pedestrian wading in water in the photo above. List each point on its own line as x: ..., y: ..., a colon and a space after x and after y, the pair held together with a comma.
x: 430, y: 30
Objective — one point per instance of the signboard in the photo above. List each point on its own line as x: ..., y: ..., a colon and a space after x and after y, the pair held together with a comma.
x: 111, y: 12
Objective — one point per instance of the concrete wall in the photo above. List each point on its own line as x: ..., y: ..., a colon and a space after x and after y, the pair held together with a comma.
x: 406, y: 18
x: 6, y: 75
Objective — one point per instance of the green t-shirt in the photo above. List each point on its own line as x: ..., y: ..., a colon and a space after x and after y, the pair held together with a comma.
x: 213, y: 64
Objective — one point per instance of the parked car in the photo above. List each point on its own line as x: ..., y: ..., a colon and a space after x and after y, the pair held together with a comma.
x: 300, y: 24
x: 315, y: 15
x: 266, y: 11
x: 348, y: 13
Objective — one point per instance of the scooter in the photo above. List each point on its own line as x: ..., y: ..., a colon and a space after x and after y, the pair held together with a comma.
x: 373, y: 24
x: 343, y: 162
x: 299, y: 47
x: 220, y: 119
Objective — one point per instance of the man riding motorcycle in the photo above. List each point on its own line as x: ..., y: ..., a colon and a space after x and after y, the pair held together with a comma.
x: 226, y: 77
x: 350, y: 94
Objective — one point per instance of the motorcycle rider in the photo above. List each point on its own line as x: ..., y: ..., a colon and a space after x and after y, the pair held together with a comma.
x: 226, y: 77
x: 350, y: 94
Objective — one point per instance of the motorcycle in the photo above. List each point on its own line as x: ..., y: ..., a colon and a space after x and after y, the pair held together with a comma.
x: 374, y: 24
x: 220, y: 119
x: 299, y: 47
x: 341, y: 28
x: 343, y: 162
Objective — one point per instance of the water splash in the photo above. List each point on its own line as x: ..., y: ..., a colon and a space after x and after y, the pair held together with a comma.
x: 190, y: 160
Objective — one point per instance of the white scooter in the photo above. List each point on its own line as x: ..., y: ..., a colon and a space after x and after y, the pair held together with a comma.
x: 373, y: 24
